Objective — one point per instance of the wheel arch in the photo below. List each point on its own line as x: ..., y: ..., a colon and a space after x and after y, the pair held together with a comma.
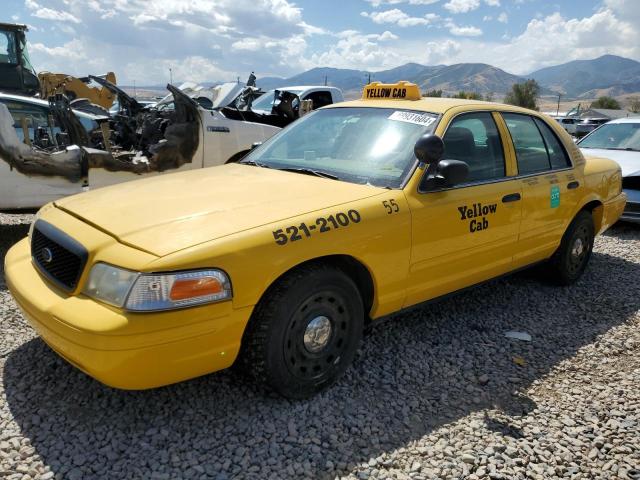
x: 351, y: 266
x: 596, y: 208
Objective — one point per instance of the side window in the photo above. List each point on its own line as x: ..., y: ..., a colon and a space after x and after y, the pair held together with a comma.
x: 27, y: 118
x: 320, y: 99
x: 557, y: 155
x: 531, y: 151
x: 474, y: 139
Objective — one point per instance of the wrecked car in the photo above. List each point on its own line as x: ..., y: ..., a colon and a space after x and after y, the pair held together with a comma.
x: 137, y: 140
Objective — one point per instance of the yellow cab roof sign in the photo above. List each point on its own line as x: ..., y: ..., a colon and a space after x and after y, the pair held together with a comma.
x: 391, y: 91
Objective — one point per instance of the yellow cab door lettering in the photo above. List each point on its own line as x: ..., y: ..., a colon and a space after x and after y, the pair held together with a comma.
x: 465, y: 234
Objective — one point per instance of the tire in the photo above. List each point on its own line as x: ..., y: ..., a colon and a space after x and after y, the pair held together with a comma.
x: 305, y: 332
x: 570, y: 260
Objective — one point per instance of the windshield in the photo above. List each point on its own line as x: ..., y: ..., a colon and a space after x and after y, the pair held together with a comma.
x: 266, y: 101
x: 622, y: 136
x: 358, y: 145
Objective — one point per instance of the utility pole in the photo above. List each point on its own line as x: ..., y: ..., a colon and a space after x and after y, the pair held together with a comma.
x: 325, y: 80
x: 558, y: 110
x: 135, y: 94
x: 369, y: 81
x: 170, y: 76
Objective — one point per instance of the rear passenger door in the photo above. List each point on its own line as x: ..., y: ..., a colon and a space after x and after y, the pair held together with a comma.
x: 549, y: 187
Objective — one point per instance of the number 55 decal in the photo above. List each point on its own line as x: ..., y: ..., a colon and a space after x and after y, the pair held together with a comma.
x: 391, y: 206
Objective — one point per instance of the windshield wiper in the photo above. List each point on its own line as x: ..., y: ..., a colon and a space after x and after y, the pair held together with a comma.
x: 310, y: 171
x: 627, y: 149
x: 253, y: 163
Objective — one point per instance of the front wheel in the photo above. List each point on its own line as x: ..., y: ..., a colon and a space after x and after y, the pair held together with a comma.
x: 305, y: 332
x: 572, y: 257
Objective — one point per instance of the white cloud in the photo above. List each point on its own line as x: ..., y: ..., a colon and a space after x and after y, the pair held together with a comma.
x: 554, y: 39
x: 73, y: 50
x: 629, y: 10
x: 492, y: 3
x: 136, y: 38
x: 463, y: 31
x: 503, y: 18
x: 400, y: 18
x: 45, y: 13
x: 461, y: 6
x: 387, y: 35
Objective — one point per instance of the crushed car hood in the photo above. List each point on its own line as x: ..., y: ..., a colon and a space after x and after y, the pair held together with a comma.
x: 629, y: 161
x: 168, y: 213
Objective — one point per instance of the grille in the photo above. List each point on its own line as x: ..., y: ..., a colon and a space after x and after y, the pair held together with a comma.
x: 58, y: 256
x: 631, y: 183
x: 632, y: 208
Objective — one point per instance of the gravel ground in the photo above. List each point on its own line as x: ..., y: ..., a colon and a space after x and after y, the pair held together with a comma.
x: 437, y: 393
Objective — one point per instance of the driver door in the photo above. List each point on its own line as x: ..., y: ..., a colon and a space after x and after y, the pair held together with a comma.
x: 467, y: 233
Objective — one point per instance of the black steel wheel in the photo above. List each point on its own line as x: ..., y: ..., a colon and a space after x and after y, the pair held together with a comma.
x: 305, y: 332
x: 572, y: 257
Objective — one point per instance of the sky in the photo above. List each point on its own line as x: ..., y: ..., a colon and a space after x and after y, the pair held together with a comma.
x: 218, y: 40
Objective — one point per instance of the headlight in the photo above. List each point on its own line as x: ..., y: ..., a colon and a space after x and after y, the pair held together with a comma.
x: 110, y: 284
x: 37, y: 216
x: 143, y: 292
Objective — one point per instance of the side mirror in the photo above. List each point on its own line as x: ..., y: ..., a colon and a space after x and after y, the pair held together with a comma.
x: 446, y: 173
x: 451, y: 172
x: 429, y: 148
x: 255, y: 145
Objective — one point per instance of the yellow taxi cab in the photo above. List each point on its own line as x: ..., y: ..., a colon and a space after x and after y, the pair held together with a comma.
x: 355, y: 212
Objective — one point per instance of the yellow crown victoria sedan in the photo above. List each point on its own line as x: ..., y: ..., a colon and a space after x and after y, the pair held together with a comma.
x: 352, y: 213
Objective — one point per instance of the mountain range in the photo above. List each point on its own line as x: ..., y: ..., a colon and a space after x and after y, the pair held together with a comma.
x: 606, y: 75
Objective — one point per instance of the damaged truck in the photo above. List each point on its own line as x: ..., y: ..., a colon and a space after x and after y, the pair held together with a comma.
x: 50, y: 149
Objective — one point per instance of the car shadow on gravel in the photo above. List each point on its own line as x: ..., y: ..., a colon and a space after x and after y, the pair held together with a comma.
x: 9, y: 235
x: 429, y: 367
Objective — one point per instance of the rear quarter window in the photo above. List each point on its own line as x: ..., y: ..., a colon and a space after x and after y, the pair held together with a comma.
x: 557, y: 154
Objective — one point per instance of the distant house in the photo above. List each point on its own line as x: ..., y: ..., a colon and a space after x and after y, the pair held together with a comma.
x: 607, y: 113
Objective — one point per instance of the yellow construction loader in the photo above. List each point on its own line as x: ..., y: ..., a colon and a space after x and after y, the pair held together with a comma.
x: 74, y: 88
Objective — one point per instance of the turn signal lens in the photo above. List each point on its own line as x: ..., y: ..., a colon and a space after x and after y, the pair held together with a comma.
x: 199, y: 287
x: 167, y: 291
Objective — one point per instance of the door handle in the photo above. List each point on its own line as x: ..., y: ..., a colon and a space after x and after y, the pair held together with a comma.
x: 572, y: 185
x: 512, y: 197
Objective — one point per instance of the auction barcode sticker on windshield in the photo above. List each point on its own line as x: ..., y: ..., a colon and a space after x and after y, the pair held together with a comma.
x: 425, y: 119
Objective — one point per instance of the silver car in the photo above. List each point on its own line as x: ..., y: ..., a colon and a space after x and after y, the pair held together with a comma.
x: 619, y: 140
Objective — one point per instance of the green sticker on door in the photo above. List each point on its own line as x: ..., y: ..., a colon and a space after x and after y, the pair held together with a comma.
x: 555, y: 196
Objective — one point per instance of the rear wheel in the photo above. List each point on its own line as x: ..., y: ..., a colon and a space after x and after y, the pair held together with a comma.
x: 570, y: 260
x: 305, y: 332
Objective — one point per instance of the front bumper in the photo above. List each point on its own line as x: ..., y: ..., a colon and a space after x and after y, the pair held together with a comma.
x: 120, y: 349
x: 632, y: 209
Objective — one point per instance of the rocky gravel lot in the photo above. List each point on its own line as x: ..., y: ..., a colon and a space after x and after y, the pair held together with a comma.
x: 437, y: 393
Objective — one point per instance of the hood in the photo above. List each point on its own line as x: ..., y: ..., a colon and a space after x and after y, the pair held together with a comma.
x: 168, y: 213
x: 629, y: 161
